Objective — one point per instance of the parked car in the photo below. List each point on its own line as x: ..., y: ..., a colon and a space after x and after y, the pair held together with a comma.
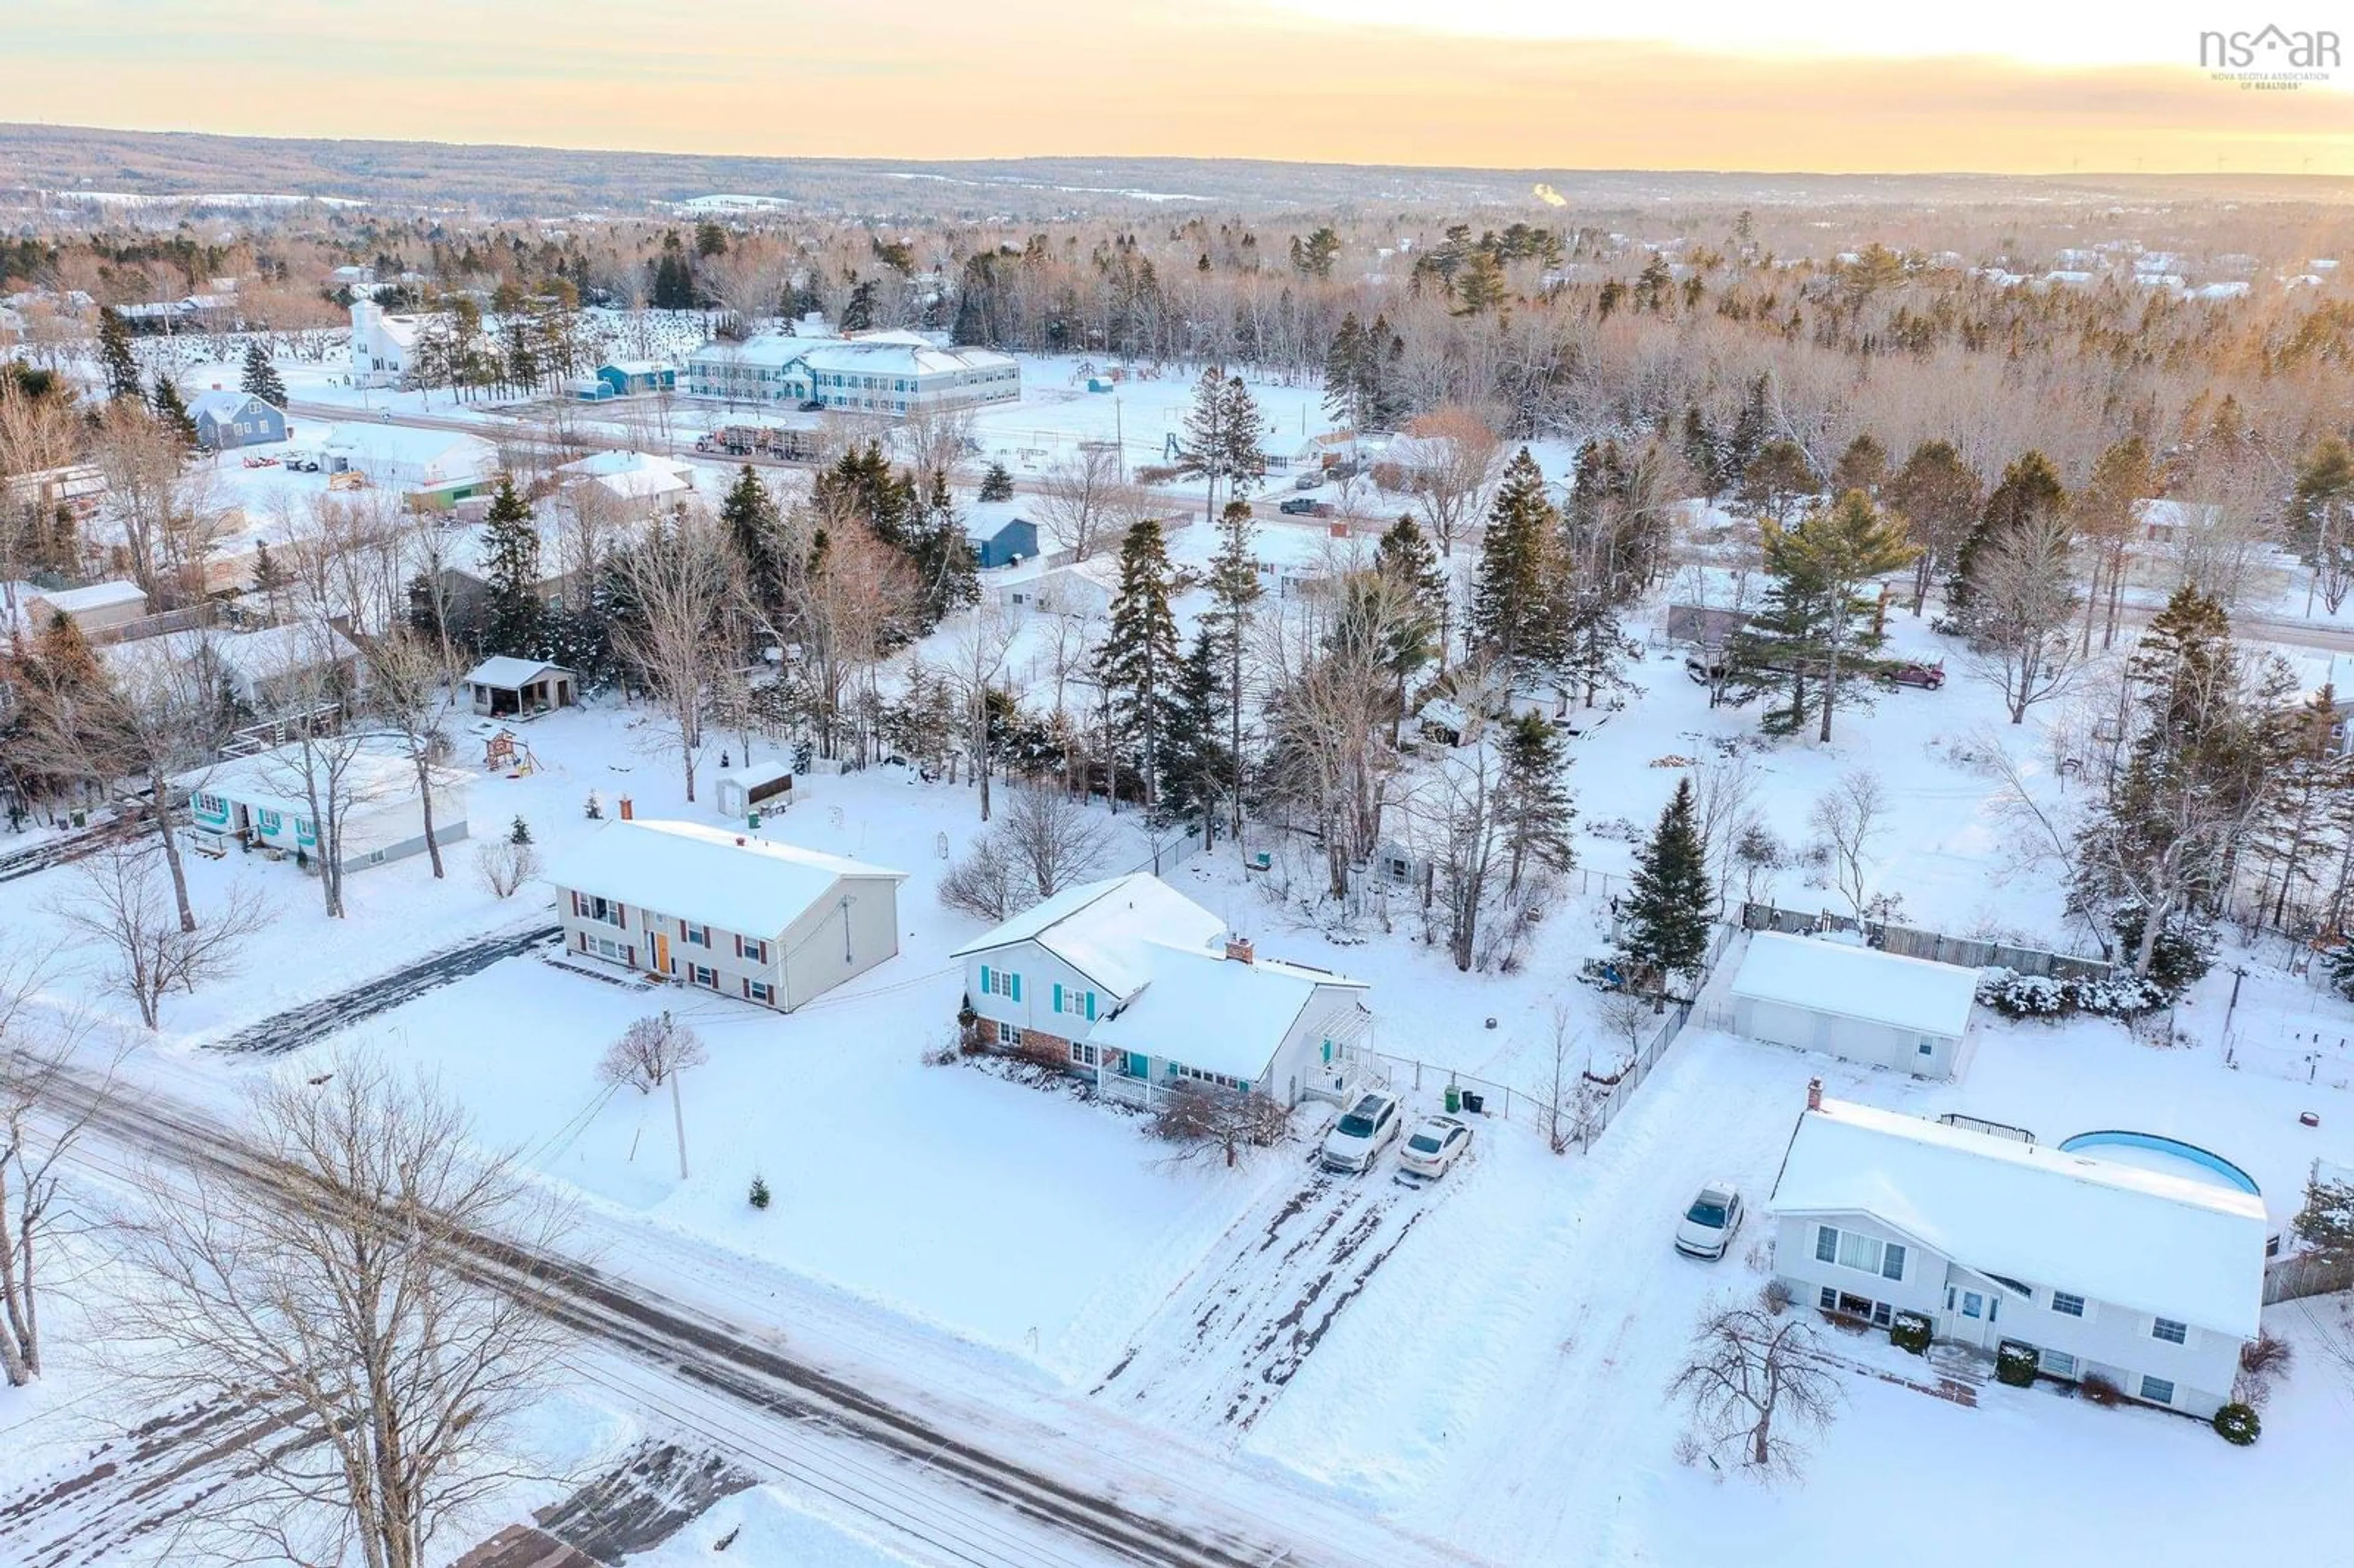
x: 1306, y: 507
x: 813, y: 406
x: 1707, y: 1227
x: 1434, y: 1146
x: 1358, y: 1138
x: 1904, y: 672
x: 1308, y: 481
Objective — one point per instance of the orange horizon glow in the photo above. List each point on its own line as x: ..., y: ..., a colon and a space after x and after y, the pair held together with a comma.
x: 1211, y: 78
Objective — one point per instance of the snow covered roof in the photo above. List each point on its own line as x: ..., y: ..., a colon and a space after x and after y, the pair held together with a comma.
x: 741, y: 884
x: 878, y: 353
x: 378, y: 778
x: 1215, y: 1013
x: 1858, y: 983
x: 219, y: 403
x: 2146, y: 1240
x: 98, y: 596
x: 278, y: 651
x: 453, y: 452
x: 510, y: 673
x: 631, y: 475
x: 1113, y: 931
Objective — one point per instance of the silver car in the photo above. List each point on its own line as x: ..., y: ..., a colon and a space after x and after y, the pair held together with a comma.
x: 1435, y: 1145
x: 1358, y: 1138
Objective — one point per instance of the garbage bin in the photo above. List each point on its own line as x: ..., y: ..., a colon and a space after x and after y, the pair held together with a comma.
x: 1454, y: 1099
x: 753, y: 821
x: 1472, y: 1102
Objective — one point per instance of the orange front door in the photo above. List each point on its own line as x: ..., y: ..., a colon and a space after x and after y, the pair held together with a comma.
x: 661, y: 952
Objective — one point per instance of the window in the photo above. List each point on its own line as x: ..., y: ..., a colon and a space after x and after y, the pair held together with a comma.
x: 2066, y: 1305
x: 1891, y: 1262
x: 696, y: 936
x: 760, y: 991
x: 1929, y: 1047
x: 1859, y: 1252
x: 756, y: 951
x: 1973, y: 1303
x: 375, y: 857
x: 2158, y: 1390
x: 1001, y: 982
x: 1826, y: 1246
x: 2059, y: 1363
x: 604, y: 909
x: 702, y: 976
x: 2167, y: 1329
x: 1006, y: 1032
x: 1083, y: 1053
x: 1828, y: 1300
x: 610, y: 950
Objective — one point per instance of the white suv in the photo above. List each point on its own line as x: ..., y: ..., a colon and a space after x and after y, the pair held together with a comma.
x: 1358, y: 1138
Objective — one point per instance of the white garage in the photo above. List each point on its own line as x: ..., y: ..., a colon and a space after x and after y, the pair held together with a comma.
x: 1821, y: 994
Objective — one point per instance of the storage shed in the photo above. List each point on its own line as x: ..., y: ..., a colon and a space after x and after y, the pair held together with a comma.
x: 1821, y: 994
x: 763, y: 787
x: 503, y: 686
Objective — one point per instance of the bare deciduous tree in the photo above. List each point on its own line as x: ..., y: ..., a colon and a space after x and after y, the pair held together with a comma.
x: 1202, y: 1119
x: 43, y: 1113
x: 2024, y: 599
x: 506, y: 865
x: 415, y: 690
x: 346, y: 1291
x: 989, y: 882
x: 1849, y: 818
x: 977, y: 650
x: 1054, y: 838
x: 1084, y: 502
x: 121, y: 909
x: 1752, y: 1381
x: 679, y: 580
x: 648, y: 1051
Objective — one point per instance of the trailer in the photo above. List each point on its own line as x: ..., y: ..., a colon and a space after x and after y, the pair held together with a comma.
x: 761, y: 440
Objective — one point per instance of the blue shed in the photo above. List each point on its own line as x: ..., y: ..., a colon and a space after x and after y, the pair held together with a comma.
x: 630, y: 377
x: 1016, y: 541
x: 226, y: 419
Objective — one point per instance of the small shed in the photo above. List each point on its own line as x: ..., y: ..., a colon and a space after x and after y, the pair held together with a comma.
x: 92, y: 609
x: 763, y: 787
x: 1823, y: 994
x: 506, y: 687
x: 1016, y: 541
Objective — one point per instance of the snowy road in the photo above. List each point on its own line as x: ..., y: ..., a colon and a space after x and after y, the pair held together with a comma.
x: 978, y: 1477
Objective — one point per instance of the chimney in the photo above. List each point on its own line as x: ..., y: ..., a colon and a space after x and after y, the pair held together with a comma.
x: 1814, y: 1086
x: 628, y: 815
x: 1239, y: 948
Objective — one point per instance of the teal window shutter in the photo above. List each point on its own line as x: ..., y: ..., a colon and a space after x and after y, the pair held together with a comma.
x: 1058, y: 997
x: 984, y: 980
x: 1017, y: 987
x: 1091, y: 1007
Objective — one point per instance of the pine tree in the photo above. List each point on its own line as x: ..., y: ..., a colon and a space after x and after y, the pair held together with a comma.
x: 514, y: 617
x: 1138, y: 658
x: 260, y: 378
x: 114, y: 356
x: 754, y: 522
x: 1221, y: 431
x: 1234, y: 590
x: 1820, y: 622
x: 1863, y: 466
x: 1666, y: 914
x: 270, y: 578
x: 1381, y: 385
x: 1200, y: 762
x: 1404, y: 556
x: 2029, y: 491
x: 1533, y: 802
x: 1344, y: 380
x: 172, y: 412
x: 520, y: 833
x: 996, y: 484
x: 1511, y: 602
x: 858, y: 312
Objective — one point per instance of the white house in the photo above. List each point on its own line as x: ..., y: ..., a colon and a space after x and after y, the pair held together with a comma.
x: 1083, y: 590
x: 271, y: 671
x: 630, y: 478
x: 1821, y: 994
x: 2149, y: 1280
x: 403, y: 456
x: 382, y: 347
x: 893, y: 374
x: 264, y: 801
x: 725, y: 912
x: 1137, y: 985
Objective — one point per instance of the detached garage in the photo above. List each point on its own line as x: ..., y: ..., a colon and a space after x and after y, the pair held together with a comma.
x: 1819, y: 994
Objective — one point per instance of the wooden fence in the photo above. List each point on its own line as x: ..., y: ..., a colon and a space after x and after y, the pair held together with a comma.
x: 1910, y: 942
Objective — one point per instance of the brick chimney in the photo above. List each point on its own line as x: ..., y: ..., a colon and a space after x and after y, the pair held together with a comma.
x: 1239, y: 948
x: 1814, y: 1094
x: 628, y: 814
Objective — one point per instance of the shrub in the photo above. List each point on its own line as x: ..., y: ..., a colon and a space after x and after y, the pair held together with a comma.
x: 1774, y: 1296
x: 2237, y: 1424
x: 2266, y: 1354
x: 2015, y: 1365
x: 1910, y: 1332
x: 760, y: 1194
x: 2101, y: 1390
x: 2016, y: 995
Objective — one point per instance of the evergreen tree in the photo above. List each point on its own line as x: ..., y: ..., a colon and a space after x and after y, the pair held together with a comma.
x: 172, y: 412
x: 1704, y: 452
x: 114, y: 356
x: 260, y: 378
x: 1511, y: 601
x: 1820, y: 622
x: 1778, y: 481
x: 1752, y: 429
x: 1533, y: 803
x: 1666, y: 914
x: 858, y: 310
x: 1200, y: 770
x: 1863, y: 466
x: 996, y: 484
x: 1381, y: 381
x: 520, y: 833
x: 1935, y: 495
x: 512, y: 614
x: 270, y: 578
x: 1138, y: 658
x: 1221, y: 431
x: 2029, y: 491
x: 1343, y: 375
x: 2321, y: 519
x: 1234, y: 590
x: 754, y: 527
x: 1405, y: 557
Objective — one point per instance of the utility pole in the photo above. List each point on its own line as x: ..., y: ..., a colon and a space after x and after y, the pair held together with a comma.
x: 678, y: 1117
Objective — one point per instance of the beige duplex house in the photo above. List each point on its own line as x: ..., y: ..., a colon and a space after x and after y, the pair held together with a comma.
x: 725, y: 912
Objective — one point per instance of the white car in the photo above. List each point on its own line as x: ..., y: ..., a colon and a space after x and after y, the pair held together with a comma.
x: 1358, y: 1138
x: 1434, y: 1146
x: 1707, y: 1227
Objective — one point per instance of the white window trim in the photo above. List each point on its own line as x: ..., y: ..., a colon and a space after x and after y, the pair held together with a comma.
x: 2181, y: 1336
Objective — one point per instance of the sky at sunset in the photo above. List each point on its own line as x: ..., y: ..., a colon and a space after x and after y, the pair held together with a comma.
x: 1998, y: 85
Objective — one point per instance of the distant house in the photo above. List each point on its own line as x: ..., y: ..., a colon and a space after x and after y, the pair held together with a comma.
x: 720, y: 911
x: 382, y: 347
x: 228, y: 420
x: 264, y: 801
x: 76, y: 490
x: 272, y: 672
x: 635, y: 377
x: 504, y: 687
x: 1137, y: 987
x: 1014, y: 541
x: 890, y: 373
x: 630, y: 477
x: 1821, y: 994
x: 1083, y: 591
x: 434, y: 468
x: 93, y: 609
x: 1703, y: 625
x: 2149, y: 1280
